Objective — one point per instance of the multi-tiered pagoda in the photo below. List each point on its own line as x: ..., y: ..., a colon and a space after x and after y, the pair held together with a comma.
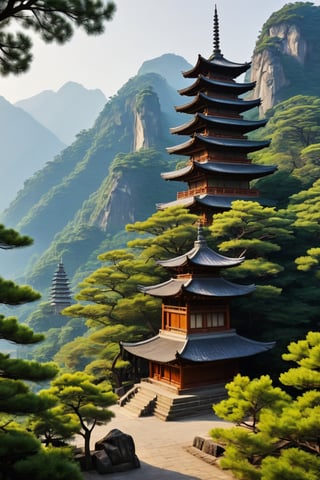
x: 218, y: 169
x: 196, y: 345
x: 60, y: 293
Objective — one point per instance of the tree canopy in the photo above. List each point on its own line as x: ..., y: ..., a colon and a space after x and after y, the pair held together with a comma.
x: 82, y: 405
x: 277, y: 435
x: 52, y: 20
x: 110, y: 300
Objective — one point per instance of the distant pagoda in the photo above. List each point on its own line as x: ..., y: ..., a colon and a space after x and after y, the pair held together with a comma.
x: 60, y: 293
x: 196, y: 346
x: 219, y: 170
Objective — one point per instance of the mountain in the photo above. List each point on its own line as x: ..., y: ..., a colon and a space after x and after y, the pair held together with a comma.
x: 169, y: 66
x: 108, y: 177
x: 286, y: 59
x: 66, y: 112
x: 26, y: 146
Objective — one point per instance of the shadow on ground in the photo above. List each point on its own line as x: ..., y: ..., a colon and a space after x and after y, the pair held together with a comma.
x: 145, y: 472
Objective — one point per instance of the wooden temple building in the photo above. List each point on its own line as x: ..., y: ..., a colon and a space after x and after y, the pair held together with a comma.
x: 218, y: 169
x: 60, y: 293
x: 196, y: 351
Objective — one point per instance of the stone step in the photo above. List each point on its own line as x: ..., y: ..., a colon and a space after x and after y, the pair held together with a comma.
x: 167, y: 406
x: 142, y: 403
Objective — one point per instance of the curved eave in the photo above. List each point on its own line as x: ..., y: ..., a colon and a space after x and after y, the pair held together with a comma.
x: 204, y: 286
x: 181, y: 202
x: 201, y: 100
x: 217, y: 64
x: 201, y: 255
x: 158, y: 349
x: 222, y: 346
x: 198, y: 142
x: 244, y: 170
x: 219, y: 202
x: 225, y: 202
x: 204, y: 82
x: 165, y: 348
x: 201, y: 120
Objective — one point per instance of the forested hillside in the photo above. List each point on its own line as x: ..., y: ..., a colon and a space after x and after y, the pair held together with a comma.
x: 97, y: 185
x: 285, y: 61
x: 79, y: 206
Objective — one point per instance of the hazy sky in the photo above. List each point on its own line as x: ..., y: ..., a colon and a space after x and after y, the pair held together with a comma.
x: 142, y: 30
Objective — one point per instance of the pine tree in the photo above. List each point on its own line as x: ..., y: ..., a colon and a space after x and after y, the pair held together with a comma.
x: 110, y: 300
x: 53, y: 21
x: 82, y: 405
x: 277, y: 435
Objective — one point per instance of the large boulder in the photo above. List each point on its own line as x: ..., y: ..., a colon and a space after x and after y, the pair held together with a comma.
x: 115, y: 452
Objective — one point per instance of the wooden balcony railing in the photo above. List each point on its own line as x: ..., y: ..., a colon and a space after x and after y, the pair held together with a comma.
x: 218, y: 191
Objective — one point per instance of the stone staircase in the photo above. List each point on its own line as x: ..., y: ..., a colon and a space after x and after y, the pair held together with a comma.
x: 148, y: 398
x: 139, y: 401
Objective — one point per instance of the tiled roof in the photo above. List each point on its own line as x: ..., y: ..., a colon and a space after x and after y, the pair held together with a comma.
x: 240, y: 169
x: 165, y: 348
x: 215, y: 64
x: 203, y: 81
x: 201, y: 255
x: 237, y: 124
x: 201, y: 141
x: 206, y: 286
x: 203, y: 100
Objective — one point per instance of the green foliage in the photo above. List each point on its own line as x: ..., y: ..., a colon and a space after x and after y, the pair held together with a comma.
x: 304, y: 15
x: 15, y: 444
x: 306, y: 353
x: 12, y: 294
x: 52, y: 21
x: 12, y: 330
x: 49, y: 463
x: 10, y: 238
x: 277, y: 435
x: 247, y: 399
x: 16, y: 397
x: 293, y: 464
x: 111, y: 303
x: 294, y: 147
x: 83, y: 405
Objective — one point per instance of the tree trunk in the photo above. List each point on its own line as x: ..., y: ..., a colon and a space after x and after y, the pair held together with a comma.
x: 87, y: 452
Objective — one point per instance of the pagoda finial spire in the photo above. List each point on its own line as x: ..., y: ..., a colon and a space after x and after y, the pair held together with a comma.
x: 216, y: 37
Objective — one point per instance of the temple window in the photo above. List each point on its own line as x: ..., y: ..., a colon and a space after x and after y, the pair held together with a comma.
x: 196, y: 320
x: 215, y: 319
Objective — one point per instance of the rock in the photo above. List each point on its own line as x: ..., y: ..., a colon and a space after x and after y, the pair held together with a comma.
x: 208, y: 446
x: 101, y: 462
x: 119, y: 448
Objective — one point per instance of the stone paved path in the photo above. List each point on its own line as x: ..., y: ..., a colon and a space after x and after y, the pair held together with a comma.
x: 162, y: 448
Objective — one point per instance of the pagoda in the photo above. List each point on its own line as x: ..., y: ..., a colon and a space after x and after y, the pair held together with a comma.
x: 218, y: 169
x: 197, y: 350
x: 196, y: 346
x: 60, y: 293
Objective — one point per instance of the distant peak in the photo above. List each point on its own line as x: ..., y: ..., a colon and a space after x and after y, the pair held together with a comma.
x: 68, y: 85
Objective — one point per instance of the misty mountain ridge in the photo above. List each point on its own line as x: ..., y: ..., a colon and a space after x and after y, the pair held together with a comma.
x: 169, y: 66
x: 67, y: 111
x: 81, y: 201
x: 97, y: 185
x: 26, y: 145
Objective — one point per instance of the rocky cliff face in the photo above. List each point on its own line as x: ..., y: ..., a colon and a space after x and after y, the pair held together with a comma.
x: 147, y: 124
x: 268, y: 68
x: 124, y: 189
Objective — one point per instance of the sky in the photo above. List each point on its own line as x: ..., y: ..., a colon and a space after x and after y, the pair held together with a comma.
x: 142, y: 30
